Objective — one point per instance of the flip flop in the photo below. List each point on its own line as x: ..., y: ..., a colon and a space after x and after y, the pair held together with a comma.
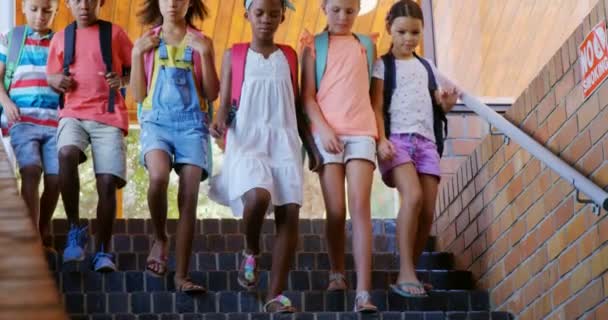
x: 363, y: 303
x: 399, y: 289
x: 189, y: 287
x: 283, y: 305
x: 335, y: 278
x: 248, y: 272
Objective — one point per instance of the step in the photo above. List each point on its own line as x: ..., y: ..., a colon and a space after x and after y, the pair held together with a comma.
x: 219, y: 226
x: 230, y: 242
x: 132, y: 281
x: 228, y: 301
x: 392, y: 315
x: 228, y: 261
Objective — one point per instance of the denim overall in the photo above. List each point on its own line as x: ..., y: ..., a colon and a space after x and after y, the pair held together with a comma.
x: 176, y: 124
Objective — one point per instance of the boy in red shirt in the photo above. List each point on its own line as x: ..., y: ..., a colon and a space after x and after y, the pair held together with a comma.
x: 87, y: 117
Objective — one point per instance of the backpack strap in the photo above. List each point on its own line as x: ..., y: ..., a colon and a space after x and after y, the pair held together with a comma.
x: 369, y: 46
x: 292, y: 60
x: 390, y: 83
x: 321, y: 53
x: 105, y: 43
x: 238, y: 57
x: 16, y: 41
x: 440, y: 121
x: 69, y: 45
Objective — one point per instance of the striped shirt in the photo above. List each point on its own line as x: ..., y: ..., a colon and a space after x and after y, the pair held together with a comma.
x: 29, y: 90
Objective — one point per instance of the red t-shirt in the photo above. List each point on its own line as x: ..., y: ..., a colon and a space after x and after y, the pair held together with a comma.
x: 88, y: 100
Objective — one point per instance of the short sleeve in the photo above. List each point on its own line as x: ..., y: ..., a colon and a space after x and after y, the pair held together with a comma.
x: 3, y: 47
x: 55, y: 58
x: 126, y: 46
x: 378, y: 70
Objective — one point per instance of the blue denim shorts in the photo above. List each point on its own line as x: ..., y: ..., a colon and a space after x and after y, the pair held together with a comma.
x: 35, y: 145
x: 184, y: 136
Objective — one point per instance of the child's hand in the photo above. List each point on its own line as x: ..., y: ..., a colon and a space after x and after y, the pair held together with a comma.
x: 331, y: 142
x: 217, y: 128
x: 146, y: 43
x: 113, y: 80
x: 386, y: 150
x: 203, y: 45
x: 12, y: 112
x: 60, y: 82
x: 447, y: 98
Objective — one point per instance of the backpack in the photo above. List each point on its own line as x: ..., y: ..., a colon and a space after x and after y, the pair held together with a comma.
x: 105, y: 43
x: 238, y: 55
x: 322, y: 50
x: 440, y: 121
x: 16, y: 42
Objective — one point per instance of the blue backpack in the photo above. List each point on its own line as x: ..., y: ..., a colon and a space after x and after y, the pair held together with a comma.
x: 440, y: 121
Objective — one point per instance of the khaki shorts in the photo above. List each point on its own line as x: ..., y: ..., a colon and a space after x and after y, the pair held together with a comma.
x: 355, y: 148
x: 108, y: 147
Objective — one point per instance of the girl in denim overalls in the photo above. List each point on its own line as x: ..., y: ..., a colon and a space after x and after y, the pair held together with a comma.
x: 173, y: 69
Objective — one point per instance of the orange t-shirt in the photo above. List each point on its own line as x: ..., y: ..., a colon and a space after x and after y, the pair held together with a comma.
x: 343, y: 94
x: 88, y: 100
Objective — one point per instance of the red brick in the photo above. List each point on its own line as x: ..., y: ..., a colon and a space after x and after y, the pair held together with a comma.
x: 517, y: 232
x: 588, y: 111
x: 476, y: 127
x: 564, y: 87
x: 470, y: 234
x: 462, y: 147
x: 545, y: 230
x: 600, y: 177
x: 577, y: 148
x: 567, y: 260
x: 476, y: 205
x: 533, y: 289
x: 601, y: 312
x: 566, y: 59
x: 574, y: 100
x: 530, y: 124
x: 450, y: 165
x: 566, y: 133
x: 546, y: 106
x: 503, y: 291
x: 591, y: 160
x: 456, y: 126
x: 563, y: 213
x: 462, y: 221
x: 529, y: 245
x: 603, y: 229
x: 478, y: 247
x: 589, y: 243
x: 598, y: 127
x: 512, y: 260
x: 561, y: 292
x: 556, y: 244
x: 542, y: 134
x: 599, y: 262
x: 577, y: 227
x: 469, y: 193
x: 603, y: 95
x: 580, y: 277
x: 556, y: 119
x: 584, y: 301
x: 538, y: 261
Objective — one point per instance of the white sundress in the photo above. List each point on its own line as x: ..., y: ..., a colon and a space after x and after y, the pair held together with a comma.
x: 263, y: 149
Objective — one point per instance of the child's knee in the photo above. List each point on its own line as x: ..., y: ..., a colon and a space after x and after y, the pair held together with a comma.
x: 257, y: 199
x: 69, y: 154
x: 412, y: 199
x: 159, y: 179
x: 106, y: 185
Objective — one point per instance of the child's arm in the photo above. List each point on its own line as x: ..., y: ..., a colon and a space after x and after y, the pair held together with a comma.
x: 138, y: 75
x: 331, y: 143
x: 448, y: 93
x: 10, y: 109
x: 386, y: 150
x: 204, y: 46
x: 218, y: 127
x: 54, y: 67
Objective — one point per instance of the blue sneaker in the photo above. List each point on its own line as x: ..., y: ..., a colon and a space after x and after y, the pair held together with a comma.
x: 103, y: 262
x: 74, y: 249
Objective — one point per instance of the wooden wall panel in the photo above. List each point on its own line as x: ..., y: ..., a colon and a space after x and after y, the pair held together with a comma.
x: 494, y: 48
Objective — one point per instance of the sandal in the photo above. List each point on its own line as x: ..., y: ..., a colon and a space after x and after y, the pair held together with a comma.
x: 337, y: 282
x: 401, y: 289
x: 363, y: 303
x: 248, y: 271
x: 281, y: 304
x: 157, y: 266
x: 189, y: 287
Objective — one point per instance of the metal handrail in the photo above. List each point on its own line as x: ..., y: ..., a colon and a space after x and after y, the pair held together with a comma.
x: 598, y: 196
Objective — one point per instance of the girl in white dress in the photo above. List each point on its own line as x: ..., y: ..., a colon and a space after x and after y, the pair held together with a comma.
x: 262, y: 169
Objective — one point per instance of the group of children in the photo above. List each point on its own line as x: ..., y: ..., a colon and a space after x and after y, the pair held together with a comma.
x: 62, y: 94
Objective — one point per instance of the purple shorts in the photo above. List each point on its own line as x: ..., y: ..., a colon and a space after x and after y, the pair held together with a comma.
x: 411, y: 147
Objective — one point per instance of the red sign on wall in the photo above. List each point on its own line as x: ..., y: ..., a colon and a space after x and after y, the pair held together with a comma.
x: 594, y: 58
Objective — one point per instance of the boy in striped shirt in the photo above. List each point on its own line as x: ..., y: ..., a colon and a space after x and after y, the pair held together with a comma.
x: 29, y: 111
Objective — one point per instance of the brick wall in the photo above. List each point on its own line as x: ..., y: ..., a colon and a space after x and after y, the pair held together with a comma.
x: 465, y: 131
x: 514, y: 223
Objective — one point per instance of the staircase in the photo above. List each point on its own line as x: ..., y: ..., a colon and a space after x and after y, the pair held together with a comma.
x: 131, y: 294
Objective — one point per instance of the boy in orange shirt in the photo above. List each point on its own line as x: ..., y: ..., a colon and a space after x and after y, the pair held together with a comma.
x: 94, y: 112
